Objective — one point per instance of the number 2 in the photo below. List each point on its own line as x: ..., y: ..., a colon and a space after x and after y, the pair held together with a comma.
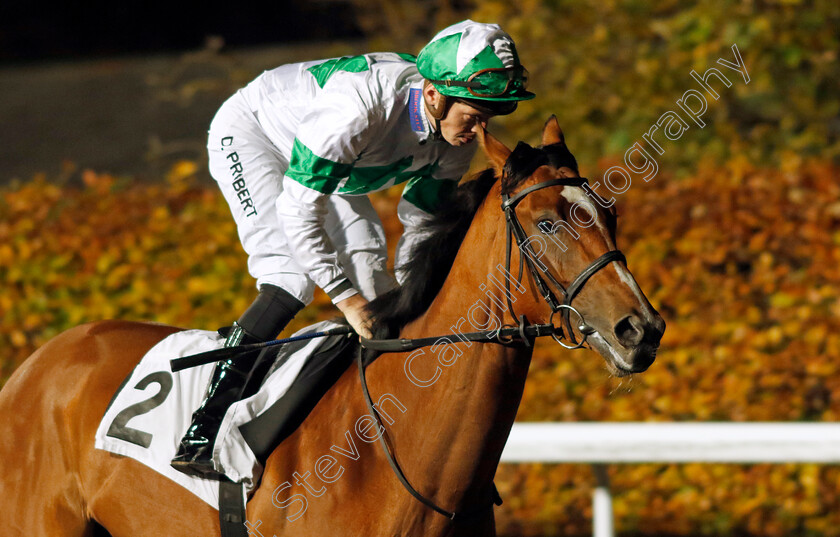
x: 119, y: 428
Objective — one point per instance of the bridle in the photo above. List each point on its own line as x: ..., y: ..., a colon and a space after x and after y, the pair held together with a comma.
x: 539, y: 271
x: 523, y: 333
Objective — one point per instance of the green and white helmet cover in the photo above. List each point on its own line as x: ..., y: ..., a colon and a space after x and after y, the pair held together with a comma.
x: 464, y: 49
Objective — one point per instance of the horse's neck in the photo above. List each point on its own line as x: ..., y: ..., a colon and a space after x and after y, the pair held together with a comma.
x: 471, y: 406
x: 447, y: 426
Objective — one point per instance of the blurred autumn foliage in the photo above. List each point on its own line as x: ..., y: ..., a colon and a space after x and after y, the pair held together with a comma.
x: 608, y: 69
x: 742, y: 262
x: 165, y: 252
x: 736, y: 241
x: 744, y: 265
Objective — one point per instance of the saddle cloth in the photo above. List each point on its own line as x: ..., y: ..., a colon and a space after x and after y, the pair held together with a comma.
x: 152, y: 410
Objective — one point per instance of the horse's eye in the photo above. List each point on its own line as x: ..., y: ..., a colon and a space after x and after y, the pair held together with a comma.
x: 546, y: 226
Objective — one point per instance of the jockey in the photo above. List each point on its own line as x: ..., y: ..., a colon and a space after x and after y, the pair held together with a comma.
x: 296, y: 151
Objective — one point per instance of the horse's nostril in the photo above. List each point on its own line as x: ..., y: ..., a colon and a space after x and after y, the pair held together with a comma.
x: 629, y: 331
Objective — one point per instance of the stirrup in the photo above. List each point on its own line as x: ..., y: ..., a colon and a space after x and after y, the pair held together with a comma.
x: 195, y: 466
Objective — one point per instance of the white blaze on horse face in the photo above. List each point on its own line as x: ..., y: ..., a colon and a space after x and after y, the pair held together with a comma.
x: 628, y: 279
x: 577, y: 197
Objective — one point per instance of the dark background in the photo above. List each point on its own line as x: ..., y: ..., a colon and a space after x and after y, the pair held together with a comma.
x: 39, y: 31
x: 130, y: 89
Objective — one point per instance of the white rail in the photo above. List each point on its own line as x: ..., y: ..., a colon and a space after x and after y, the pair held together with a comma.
x: 649, y: 442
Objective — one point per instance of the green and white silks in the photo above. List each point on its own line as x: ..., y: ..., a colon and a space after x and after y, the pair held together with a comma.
x: 346, y: 127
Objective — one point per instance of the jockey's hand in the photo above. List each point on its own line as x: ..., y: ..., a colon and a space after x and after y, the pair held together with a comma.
x: 353, y: 309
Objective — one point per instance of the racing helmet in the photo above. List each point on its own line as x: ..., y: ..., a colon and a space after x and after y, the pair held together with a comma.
x: 476, y: 63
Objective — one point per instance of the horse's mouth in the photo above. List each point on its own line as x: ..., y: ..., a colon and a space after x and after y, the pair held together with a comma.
x: 639, y: 359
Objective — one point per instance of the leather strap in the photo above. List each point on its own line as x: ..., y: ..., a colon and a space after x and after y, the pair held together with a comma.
x: 516, y: 231
x: 451, y: 515
x: 578, y: 283
x: 598, y: 264
x: 232, y: 509
x: 514, y: 200
x: 506, y: 335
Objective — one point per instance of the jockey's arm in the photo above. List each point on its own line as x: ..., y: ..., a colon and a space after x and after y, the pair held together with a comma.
x: 413, y: 220
x: 303, y: 211
x: 333, y: 133
x: 421, y: 197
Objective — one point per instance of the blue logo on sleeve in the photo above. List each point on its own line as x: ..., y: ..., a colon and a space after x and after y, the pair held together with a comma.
x: 415, y: 110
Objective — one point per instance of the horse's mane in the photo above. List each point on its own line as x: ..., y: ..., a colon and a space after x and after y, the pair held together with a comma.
x: 431, y: 259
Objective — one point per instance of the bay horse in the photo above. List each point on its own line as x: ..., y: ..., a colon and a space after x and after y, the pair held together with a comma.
x: 448, y: 409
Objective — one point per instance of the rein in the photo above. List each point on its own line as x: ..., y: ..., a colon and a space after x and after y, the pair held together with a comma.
x: 524, y: 333
x: 389, y: 454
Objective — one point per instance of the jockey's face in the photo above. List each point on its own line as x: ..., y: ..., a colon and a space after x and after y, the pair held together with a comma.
x: 459, y: 125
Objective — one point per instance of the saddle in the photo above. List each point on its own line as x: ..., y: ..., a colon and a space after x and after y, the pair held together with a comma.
x: 147, y: 426
x: 322, y: 369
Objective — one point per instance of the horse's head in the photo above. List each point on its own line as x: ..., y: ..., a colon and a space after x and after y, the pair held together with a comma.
x: 566, y: 238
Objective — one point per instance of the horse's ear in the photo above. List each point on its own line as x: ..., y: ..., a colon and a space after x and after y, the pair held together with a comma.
x: 552, y: 133
x: 495, y: 150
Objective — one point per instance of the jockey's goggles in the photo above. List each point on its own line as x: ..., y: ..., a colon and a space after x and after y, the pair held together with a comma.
x: 491, y: 82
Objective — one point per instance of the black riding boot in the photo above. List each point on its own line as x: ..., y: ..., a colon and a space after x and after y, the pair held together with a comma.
x: 265, y: 318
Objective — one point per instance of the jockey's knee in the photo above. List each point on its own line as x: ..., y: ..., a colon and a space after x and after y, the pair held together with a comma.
x: 270, y: 312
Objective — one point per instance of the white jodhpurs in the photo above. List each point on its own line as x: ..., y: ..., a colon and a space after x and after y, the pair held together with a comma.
x: 249, y: 170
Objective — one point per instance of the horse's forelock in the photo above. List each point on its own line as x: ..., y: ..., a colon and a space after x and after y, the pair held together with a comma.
x: 524, y: 160
x: 520, y: 165
x: 559, y: 156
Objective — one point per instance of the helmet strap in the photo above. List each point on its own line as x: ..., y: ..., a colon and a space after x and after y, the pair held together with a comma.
x: 438, y: 113
x: 437, y: 136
